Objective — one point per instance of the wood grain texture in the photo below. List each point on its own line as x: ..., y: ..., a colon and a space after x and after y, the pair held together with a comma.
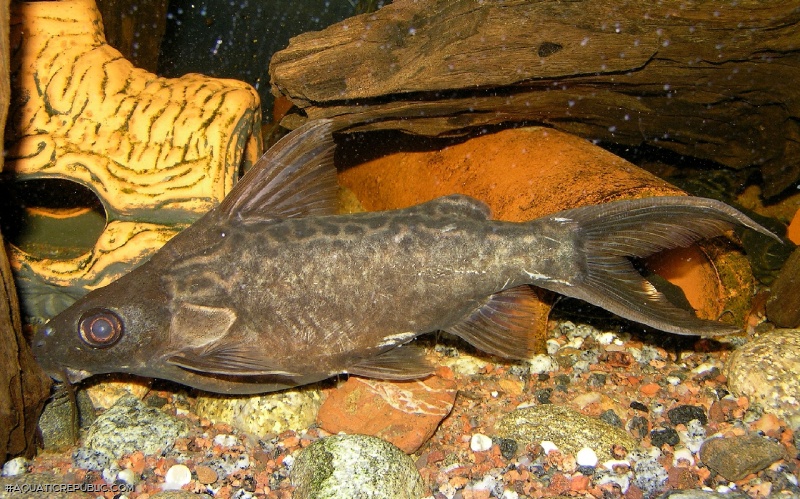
x: 704, y: 79
x: 23, y: 385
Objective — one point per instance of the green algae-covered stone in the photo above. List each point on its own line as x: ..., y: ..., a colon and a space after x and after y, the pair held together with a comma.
x: 355, y: 466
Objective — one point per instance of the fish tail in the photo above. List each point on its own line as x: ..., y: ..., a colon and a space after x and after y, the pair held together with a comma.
x: 610, y: 235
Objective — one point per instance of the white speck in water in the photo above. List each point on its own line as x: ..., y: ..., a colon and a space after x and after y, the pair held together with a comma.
x: 216, y: 46
x: 585, y: 41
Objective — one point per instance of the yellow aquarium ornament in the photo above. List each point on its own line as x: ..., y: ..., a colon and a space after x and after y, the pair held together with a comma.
x: 157, y: 152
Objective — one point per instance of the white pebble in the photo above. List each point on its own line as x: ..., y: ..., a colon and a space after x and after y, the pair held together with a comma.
x: 612, y: 463
x: 548, y: 446
x: 575, y: 343
x: 586, y: 457
x: 480, y: 443
x: 552, y: 346
x: 509, y: 494
x: 177, y: 476
x: 682, y: 454
x: 128, y: 476
x: 704, y: 368
x: 542, y: 364
x: 606, y: 338
x: 15, y: 467
x: 225, y: 440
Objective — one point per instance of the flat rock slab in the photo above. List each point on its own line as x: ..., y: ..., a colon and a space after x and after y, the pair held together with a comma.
x: 403, y: 413
x: 736, y: 457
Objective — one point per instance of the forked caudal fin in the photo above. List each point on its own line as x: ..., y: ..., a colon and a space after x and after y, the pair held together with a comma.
x: 609, y: 235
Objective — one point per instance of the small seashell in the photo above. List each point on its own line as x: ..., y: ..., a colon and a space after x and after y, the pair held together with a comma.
x: 176, y: 477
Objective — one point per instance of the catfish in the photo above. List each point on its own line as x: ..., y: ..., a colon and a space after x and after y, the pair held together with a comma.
x: 272, y: 289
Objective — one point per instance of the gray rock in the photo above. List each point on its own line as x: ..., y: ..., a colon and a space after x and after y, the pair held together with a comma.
x: 91, y: 459
x: 736, y: 457
x: 350, y: 466
x: 767, y: 372
x: 569, y: 430
x: 58, y: 420
x: 682, y: 414
x: 650, y: 475
x: 130, y: 426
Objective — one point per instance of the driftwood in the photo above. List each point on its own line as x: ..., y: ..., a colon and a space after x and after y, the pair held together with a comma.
x: 24, y: 387
x: 704, y: 79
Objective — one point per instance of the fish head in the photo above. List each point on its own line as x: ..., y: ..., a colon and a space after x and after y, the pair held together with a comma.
x: 117, y: 328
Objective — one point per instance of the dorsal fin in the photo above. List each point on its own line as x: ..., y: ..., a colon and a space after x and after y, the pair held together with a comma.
x: 294, y: 178
x: 504, y: 325
x: 455, y: 205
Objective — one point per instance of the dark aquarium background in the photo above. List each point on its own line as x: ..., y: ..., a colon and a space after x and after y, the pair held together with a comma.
x: 236, y: 39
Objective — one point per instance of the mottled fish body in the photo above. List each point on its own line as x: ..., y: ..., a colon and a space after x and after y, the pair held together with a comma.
x: 272, y: 290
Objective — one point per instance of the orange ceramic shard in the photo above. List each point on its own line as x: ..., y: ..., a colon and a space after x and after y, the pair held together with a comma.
x: 793, y: 232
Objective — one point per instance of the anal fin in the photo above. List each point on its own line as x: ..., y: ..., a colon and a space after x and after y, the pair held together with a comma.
x: 400, y: 363
x: 504, y: 325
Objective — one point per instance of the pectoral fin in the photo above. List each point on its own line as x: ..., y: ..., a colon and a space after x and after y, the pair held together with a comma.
x: 195, y: 325
x: 233, y: 360
x: 399, y: 363
x: 504, y: 325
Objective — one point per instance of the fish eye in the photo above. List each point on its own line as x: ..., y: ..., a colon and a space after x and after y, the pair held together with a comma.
x: 100, y: 328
